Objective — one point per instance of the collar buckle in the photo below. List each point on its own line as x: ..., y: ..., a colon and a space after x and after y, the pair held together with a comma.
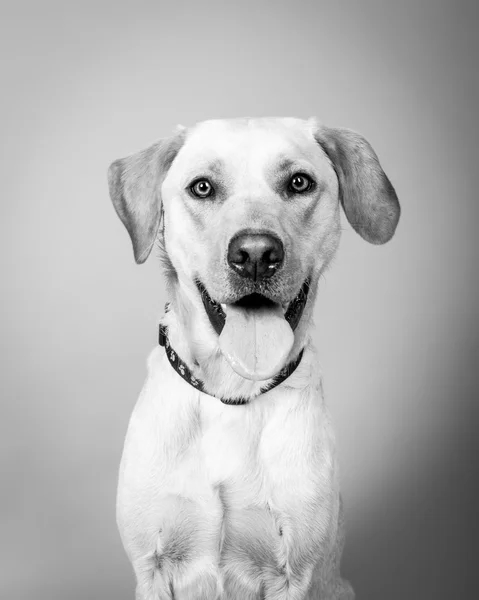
x: 162, y: 335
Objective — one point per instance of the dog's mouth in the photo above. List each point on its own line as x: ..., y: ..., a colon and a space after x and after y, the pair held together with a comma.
x: 255, y: 332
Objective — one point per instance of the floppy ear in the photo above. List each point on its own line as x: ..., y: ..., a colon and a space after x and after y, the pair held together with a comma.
x: 367, y: 195
x: 135, y: 184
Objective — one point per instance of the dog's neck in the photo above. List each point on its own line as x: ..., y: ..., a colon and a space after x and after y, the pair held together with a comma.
x: 195, y: 342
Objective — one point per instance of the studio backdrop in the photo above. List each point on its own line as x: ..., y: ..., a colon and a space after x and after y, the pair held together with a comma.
x: 84, y: 83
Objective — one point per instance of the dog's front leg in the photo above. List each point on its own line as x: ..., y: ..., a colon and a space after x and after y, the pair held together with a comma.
x: 169, y: 515
x: 175, y: 578
x: 181, y: 537
x: 184, y: 565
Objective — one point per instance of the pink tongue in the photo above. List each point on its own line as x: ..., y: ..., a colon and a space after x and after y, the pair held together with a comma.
x: 256, y: 342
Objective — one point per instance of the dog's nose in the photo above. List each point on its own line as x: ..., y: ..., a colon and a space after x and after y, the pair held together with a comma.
x: 255, y: 255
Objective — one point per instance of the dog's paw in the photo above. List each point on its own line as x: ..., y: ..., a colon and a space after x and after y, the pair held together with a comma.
x: 195, y: 581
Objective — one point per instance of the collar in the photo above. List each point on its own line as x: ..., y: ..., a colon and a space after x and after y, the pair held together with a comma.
x: 185, y: 372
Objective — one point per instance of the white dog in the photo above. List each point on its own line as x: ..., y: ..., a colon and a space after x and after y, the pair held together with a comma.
x: 228, y: 483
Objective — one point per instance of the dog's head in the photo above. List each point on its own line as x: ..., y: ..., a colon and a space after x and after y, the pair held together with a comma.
x: 251, y: 218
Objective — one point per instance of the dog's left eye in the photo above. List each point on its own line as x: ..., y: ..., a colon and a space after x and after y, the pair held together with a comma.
x: 202, y: 188
x: 300, y: 183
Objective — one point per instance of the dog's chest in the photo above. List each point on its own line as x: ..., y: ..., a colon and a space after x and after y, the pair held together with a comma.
x: 251, y: 452
x: 273, y: 469
x: 250, y: 488
x: 230, y: 449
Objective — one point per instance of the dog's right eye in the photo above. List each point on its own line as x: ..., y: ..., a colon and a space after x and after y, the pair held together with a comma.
x: 201, y: 188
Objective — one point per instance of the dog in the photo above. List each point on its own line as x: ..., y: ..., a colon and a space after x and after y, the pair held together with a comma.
x: 228, y: 486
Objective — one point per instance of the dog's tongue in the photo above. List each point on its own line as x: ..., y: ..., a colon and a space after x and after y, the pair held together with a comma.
x: 256, y: 342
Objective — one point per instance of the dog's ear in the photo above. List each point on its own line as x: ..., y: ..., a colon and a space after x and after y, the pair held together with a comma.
x: 135, y: 184
x: 367, y: 196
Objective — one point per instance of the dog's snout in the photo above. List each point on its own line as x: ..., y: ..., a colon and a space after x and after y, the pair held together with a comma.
x: 255, y: 255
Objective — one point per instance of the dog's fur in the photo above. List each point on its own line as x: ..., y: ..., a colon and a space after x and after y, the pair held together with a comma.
x: 239, y: 502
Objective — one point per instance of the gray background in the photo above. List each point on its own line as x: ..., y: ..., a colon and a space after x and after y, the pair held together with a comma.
x: 84, y: 83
